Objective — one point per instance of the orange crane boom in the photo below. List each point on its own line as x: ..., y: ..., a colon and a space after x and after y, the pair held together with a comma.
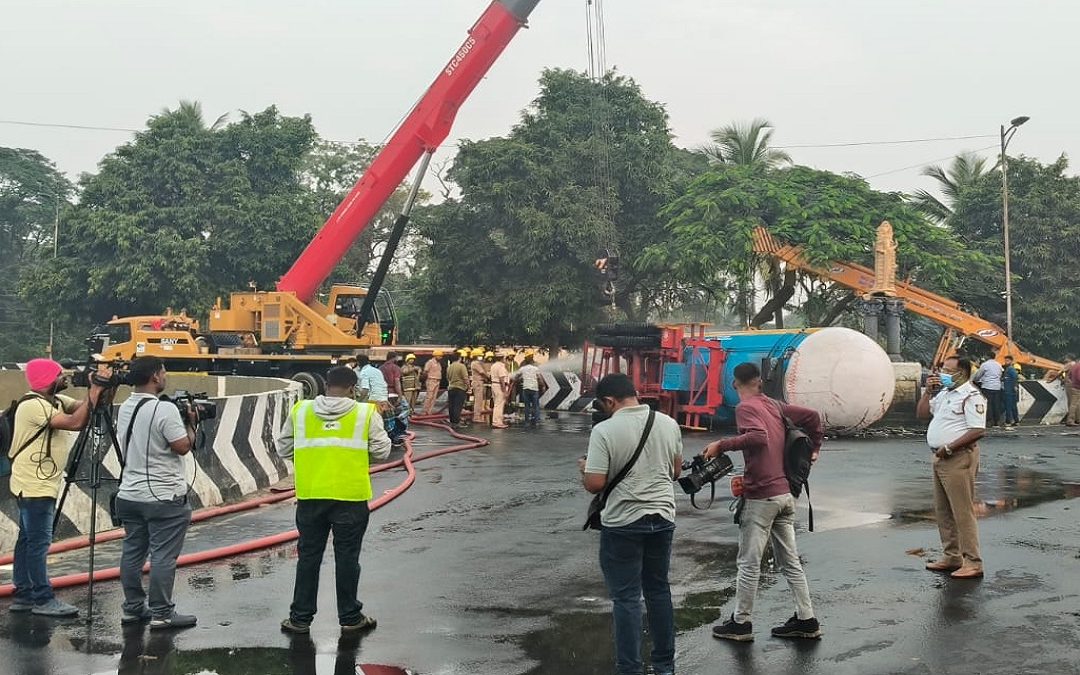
x: 959, y: 324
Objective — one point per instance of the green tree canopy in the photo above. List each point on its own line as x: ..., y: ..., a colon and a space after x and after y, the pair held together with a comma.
x: 181, y: 214
x: 1044, y: 227
x: 587, y: 170
x: 32, y: 192
x: 834, y: 217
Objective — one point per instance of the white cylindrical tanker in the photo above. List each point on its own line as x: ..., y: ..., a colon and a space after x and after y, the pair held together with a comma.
x: 841, y: 373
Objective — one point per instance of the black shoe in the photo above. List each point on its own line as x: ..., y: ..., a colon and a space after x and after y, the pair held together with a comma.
x: 127, y: 619
x: 731, y: 630
x: 295, y: 627
x: 799, y: 628
x: 364, y: 623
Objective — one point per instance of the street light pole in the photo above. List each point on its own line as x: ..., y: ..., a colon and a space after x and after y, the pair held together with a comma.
x: 1006, y: 136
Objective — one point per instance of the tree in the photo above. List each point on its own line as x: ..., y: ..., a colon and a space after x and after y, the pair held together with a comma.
x: 746, y: 145
x: 964, y: 172
x: 587, y: 170
x: 32, y: 192
x: 183, y: 213
x: 834, y: 217
x: 1044, y: 226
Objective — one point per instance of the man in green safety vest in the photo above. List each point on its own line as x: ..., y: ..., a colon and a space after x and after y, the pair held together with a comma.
x: 329, y: 440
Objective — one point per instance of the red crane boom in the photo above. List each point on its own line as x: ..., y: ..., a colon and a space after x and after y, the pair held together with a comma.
x: 424, y: 129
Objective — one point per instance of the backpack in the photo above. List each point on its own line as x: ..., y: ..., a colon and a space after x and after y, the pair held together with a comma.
x: 7, y: 434
x: 798, y: 449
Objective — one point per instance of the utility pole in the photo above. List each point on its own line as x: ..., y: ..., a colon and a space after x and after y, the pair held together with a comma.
x: 1006, y: 136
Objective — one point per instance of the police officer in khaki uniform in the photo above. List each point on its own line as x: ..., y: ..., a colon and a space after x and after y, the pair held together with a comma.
x: 957, y: 412
x: 479, y: 379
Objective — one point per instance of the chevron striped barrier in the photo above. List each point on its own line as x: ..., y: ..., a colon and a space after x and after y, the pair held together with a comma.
x: 236, y: 459
x: 1042, y: 402
x: 563, y: 392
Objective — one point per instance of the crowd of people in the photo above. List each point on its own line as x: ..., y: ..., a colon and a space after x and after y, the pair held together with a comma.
x: 482, y: 382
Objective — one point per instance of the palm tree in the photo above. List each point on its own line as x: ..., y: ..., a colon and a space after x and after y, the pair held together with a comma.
x: 746, y: 144
x: 966, y: 169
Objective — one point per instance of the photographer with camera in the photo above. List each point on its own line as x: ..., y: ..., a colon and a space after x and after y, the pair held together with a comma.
x: 152, y: 499
x: 638, y: 517
x: 38, y: 456
x: 769, y: 510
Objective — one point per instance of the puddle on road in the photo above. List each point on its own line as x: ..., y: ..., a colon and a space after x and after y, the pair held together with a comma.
x: 998, y: 491
x: 157, y: 656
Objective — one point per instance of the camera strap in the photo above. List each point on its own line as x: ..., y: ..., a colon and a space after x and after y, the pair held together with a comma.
x: 633, y: 460
x: 127, y: 434
x: 712, y: 498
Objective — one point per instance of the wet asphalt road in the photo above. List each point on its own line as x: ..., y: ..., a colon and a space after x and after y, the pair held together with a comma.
x: 481, y: 568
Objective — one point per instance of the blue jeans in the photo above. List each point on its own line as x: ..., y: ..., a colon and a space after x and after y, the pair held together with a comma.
x: 30, y: 574
x: 1012, y: 415
x: 635, y: 559
x: 532, y: 405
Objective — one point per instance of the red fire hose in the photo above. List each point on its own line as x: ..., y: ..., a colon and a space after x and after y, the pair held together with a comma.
x: 261, y: 543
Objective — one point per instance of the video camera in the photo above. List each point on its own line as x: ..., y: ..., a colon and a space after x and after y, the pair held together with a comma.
x: 185, y: 401
x: 82, y: 374
x: 704, y: 471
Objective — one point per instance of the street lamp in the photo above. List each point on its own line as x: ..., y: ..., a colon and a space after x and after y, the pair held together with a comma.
x: 1006, y: 136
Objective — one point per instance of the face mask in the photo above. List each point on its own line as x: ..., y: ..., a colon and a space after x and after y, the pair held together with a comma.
x: 946, y: 380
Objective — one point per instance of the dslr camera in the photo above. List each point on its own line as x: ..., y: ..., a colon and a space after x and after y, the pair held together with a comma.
x: 700, y: 472
x: 185, y: 401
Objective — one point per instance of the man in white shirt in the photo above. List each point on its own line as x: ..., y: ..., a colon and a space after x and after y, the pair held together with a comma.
x: 988, y: 379
x: 957, y: 414
x: 531, y: 381
x: 371, y: 385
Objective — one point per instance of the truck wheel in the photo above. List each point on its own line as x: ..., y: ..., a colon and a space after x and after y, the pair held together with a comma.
x: 311, y: 384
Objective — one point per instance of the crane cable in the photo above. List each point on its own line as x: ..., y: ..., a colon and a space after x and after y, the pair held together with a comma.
x: 602, y: 173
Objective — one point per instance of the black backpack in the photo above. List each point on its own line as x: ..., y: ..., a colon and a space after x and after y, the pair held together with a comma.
x: 7, y: 434
x: 798, y: 450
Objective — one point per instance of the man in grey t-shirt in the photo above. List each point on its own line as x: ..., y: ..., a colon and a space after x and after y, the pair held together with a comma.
x: 638, y: 519
x: 152, y: 499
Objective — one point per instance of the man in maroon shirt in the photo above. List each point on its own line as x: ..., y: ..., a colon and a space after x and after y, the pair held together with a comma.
x: 392, y: 374
x: 769, y: 511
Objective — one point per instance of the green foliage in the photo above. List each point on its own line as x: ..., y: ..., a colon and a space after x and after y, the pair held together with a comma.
x: 31, y: 192
x: 181, y: 214
x: 966, y: 170
x: 587, y: 170
x: 834, y: 217
x: 746, y: 145
x: 1044, y: 226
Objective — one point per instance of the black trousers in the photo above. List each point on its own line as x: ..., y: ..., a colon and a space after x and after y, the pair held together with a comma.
x: 315, y: 519
x: 457, y: 399
x: 995, y: 406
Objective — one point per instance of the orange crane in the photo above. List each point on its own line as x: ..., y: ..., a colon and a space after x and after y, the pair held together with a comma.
x: 959, y: 324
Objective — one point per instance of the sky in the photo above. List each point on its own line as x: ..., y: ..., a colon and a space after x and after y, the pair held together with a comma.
x: 823, y: 71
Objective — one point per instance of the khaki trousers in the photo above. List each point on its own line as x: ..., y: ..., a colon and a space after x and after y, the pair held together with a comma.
x: 500, y: 403
x: 954, y: 497
x: 1074, y: 404
x: 479, y: 403
x: 432, y: 395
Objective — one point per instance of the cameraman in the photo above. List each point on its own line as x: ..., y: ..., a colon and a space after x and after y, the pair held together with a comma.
x: 769, y: 510
x: 36, y: 471
x: 638, y: 519
x: 152, y: 500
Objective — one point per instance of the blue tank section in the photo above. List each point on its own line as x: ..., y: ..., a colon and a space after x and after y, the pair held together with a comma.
x: 769, y: 350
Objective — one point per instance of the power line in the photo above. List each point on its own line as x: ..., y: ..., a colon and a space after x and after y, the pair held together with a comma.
x: 929, y: 161
x: 898, y: 142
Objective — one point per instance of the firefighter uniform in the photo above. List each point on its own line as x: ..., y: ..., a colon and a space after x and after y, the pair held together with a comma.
x: 478, y: 379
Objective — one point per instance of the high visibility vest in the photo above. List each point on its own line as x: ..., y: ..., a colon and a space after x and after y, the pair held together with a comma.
x: 331, y: 456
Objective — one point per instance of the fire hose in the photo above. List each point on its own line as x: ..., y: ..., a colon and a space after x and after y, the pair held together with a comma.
x: 260, y: 543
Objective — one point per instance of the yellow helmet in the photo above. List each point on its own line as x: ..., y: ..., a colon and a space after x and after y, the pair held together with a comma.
x: 437, y: 353
x: 478, y: 351
x: 489, y: 355
x: 410, y: 357
x: 464, y: 351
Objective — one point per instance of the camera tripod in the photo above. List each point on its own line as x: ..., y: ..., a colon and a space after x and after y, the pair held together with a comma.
x: 92, y: 445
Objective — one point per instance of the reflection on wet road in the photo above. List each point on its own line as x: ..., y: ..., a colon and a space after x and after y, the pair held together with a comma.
x: 482, y: 569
